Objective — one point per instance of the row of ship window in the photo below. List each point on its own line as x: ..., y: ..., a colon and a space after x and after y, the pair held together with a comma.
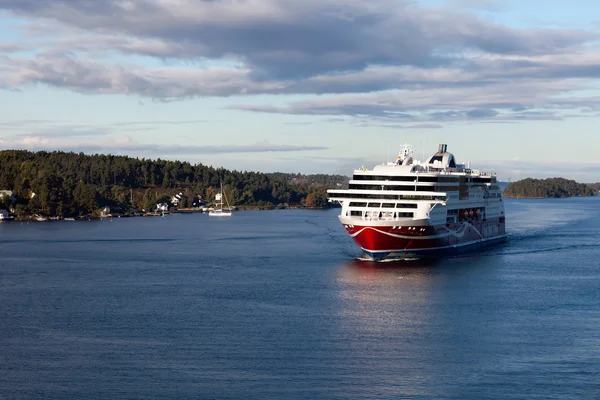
x: 386, y: 196
x: 413, y: 178
x: 381, y: 215
x: 413, y: 188
x: 383, y: 205
x: 419, y: 188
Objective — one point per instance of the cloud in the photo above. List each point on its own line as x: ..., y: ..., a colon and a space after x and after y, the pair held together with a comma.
x: 65, y: 129
x: 94, y: 77
x: 278, y: 39
x: 500, y: 102
x: 152, y: 123
x: 282, y: 38
x: 388, y: 60
x: 40, y: 134
x: 67, y: 132
x: 485, y: 5
x: 11, y: 47
x: 126, y: 145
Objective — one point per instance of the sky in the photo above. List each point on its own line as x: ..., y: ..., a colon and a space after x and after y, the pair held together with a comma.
x: 311, y: 86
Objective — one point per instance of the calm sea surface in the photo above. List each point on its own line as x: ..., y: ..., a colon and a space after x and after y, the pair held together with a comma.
x: 273, y: 304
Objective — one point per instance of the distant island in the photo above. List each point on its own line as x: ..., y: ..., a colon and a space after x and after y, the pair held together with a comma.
x: 67, y: 184
x: 549, y: 188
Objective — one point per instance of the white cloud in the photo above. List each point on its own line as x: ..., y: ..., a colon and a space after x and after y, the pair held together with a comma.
x: 384, y: 59
x: 126, y: 145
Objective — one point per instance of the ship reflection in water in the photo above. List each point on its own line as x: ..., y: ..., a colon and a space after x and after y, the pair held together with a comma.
x: 405, y: 321
x: 387, y: 298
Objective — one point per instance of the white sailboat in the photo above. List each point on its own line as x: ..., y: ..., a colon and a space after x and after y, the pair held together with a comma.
x: 218, y: 211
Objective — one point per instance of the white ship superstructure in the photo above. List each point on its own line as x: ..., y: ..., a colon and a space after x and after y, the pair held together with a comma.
x: 409, y: 207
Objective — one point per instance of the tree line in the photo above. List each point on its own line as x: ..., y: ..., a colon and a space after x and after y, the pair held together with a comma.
x: 549, y: 188
x: 70, y: 184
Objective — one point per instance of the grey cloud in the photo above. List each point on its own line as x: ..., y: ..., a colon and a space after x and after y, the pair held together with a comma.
x: 486, y: 5
x: 356, y: 110
x: 372, y: 122
x: 86, y: 76
x: 368, y: 124
x: 392, y: 61
x: 64, y: 129
x: 518, y: 101
x: 66, y: 132
x: 12, y: 47
x: 161, y: 122
x: 531, y: 116
x: 191, y: 150
x: 24, y: 122
x: 481, y: 113
x: 279, y: 39
x: 34, y: 128
x: 127, y: 146
x: 424, y: 126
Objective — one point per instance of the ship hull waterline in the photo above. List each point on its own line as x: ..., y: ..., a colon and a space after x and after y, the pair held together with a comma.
x: 384, y: 242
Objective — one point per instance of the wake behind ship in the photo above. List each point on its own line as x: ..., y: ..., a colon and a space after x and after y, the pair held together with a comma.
x: 409, y: 208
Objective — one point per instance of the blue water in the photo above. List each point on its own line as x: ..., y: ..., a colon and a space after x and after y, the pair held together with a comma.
x: 273, y: 304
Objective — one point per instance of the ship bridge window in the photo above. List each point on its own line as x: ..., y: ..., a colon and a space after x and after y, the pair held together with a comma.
x: 387, y: 205
x: 411, y: 188
x: 481, y: 180
x: 375, y: 205
x: 383, y: 178
x: 356, y: 204
x: 406, y: 178
x: 447, y: 179
x: 356, y: 213
x: 406, y: 205
x: 446, y: 188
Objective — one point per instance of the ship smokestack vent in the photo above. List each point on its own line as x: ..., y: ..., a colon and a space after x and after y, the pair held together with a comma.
x: 443, y: 148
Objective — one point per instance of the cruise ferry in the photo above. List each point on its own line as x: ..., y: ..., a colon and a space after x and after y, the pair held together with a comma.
x: 408, y: 208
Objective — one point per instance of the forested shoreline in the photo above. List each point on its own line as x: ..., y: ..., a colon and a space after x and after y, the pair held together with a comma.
x: 549, y: 188
x: 72, y: 184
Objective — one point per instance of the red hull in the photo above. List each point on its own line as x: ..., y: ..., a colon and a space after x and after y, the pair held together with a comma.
x: 384, y: 240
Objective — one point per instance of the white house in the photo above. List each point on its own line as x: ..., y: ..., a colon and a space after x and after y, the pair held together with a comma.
x: 162, y: 207
x: 4, y: 215
x: 175, y: 200
x: 8, y: 195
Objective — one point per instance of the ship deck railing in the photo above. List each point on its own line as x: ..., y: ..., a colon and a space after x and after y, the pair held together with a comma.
x: 443, y: 171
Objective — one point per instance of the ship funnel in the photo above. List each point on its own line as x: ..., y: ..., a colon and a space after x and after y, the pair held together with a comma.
x: 442, y: 148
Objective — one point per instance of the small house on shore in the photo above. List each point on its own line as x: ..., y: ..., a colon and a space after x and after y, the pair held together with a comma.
x: 8, y: 195
x: 111, y: 211
x: 5, y: 216
x: 162, y: 207
x: 177, y: 199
